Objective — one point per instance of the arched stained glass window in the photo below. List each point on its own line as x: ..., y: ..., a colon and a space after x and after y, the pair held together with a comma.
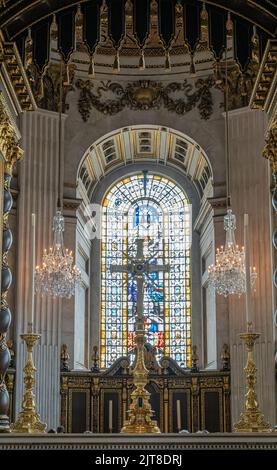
x: 155, y: 209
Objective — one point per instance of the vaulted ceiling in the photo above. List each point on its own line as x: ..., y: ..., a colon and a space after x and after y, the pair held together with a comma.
x: 17, y: 15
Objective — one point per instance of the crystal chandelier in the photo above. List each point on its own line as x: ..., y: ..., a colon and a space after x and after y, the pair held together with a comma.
x: 57, y: 276
x: 228, y: 275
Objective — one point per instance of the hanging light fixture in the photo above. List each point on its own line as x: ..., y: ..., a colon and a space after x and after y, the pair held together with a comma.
x: 57, y: 276
x: 228, y: 275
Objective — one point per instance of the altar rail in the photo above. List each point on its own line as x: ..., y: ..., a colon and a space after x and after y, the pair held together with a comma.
x: 204, y: 398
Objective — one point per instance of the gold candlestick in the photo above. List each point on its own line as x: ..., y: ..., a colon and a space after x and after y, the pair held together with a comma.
x: 28, y: 420
x: 251, y: 419
x: 140, y: 413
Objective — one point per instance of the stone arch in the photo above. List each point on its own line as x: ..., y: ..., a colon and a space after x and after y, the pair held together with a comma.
x: 209, y: 136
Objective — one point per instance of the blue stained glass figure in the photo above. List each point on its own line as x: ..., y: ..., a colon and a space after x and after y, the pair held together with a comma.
x: 153, y: 327
x: 153, y: 275
x: 156, y: 293
x: 132, y: 291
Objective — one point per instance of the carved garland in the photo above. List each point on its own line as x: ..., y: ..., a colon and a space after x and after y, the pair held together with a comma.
x: 145, y: 95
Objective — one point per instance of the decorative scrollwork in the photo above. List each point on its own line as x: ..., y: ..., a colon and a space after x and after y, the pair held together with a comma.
x: 145, y: 95
x: 270, y: 149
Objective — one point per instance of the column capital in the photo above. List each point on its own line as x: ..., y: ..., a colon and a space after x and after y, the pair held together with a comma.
x: 219, y: 205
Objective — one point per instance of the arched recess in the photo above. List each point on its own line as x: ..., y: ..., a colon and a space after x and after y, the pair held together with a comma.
x: 145, y: 143
x: 160, y: 151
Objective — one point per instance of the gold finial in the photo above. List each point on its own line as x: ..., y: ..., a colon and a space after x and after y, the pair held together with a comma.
x: 105, y: 44
x: 10, y: 345
x: 129, y: 43
x: 229, y: 25
x: 178, y: 44
x: 204, y: 25
x: 29, y: 49
x: 64, y: 358
x: 54, y: 29
x: 167, y: 61
x: 194, y: 360
x: 95, y: 360
x: 225, y: 357
x: 91, y: 69
x: 153, y: 40
x: 79, y: 28
x: 116, y: 64
x: 192, y: 67
x: 141, y: 60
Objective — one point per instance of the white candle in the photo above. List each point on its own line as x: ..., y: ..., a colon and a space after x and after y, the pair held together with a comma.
x: 247, y: 269
x: 178, y: 415
x: 32, y: 273
x: 110, y: 415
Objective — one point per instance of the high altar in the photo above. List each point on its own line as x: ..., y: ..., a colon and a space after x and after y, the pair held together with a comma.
x: 108, y: 106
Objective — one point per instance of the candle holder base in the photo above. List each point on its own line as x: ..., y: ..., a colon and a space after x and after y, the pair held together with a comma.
x: 28, y: 420
x: 251, y: 419
x: 140, y: 413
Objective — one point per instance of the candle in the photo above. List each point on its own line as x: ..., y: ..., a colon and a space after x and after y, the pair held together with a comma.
x: 32, y: 274
x: 247, y: 270
x: 110, y: 415
x: 178, y: 415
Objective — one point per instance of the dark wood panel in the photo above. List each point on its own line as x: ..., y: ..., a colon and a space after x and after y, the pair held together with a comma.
x: 212, y: 417
x: 79, y: 412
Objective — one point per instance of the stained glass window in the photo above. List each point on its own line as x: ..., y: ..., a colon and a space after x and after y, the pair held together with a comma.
x: 155, y: 209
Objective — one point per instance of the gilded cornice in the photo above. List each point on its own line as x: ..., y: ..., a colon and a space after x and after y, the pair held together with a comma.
x: 10, y: 59
x: 265, y: 85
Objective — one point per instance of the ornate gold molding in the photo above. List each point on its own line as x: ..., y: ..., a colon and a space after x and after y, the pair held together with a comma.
x: 179, y: 45
x: 105, y: 45
x: 129, y: 44
x: 9, y: 147
x: 270, y: 149
x: 265, y: 85
x: 9, y: 56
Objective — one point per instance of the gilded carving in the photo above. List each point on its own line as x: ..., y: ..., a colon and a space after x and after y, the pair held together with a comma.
x: 145, y: 95
x: 179, y: 45
x: 240, y: 83
x: 129, y: 43
x: 154, y: 45
x: 270, y: 149
x: 105, y: 44
x: 9, y: 147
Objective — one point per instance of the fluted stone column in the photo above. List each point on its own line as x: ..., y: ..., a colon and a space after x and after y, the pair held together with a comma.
x: 221, y: 303
x: 38, y: 192
x: 250, y: 179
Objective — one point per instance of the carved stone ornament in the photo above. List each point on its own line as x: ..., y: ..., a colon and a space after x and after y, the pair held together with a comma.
x: 145, y: 95
x: 8, y: 139
x: 270, y: 149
